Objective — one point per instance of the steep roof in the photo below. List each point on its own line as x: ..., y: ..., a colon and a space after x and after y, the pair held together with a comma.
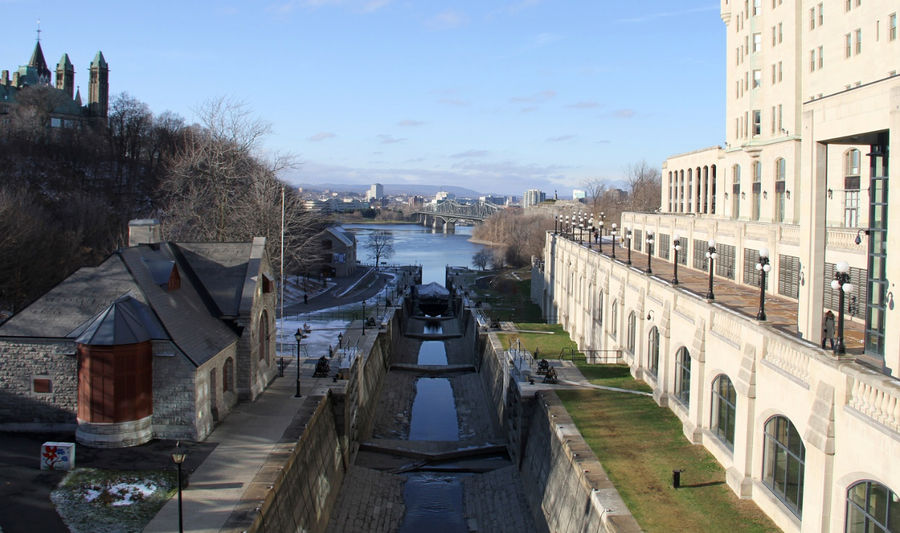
x: 99, y: 60
x: 38, y: 62
x: 64, y: 63
x: 126, y: 321
x: 221, y: 268
x: 346, y: 238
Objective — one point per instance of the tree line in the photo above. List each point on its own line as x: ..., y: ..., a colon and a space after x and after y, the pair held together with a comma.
x: 67, y: 193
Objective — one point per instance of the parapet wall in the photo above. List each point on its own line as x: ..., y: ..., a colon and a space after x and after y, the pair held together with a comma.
x: 566, y: 486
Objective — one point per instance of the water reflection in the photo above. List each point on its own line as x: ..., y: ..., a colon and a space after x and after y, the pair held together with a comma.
x: 434, y: 503
x: 434, y: 411
x: 432, y: 353
x: 433, y: 327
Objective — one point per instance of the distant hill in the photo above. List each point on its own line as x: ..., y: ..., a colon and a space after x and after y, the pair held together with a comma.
x: 389, y: 189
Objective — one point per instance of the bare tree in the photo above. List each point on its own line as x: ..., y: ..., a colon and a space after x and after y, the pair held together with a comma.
x: 380, y: 245
x: 644, y: 186
x: 595, y: 188
x: 482, y: 258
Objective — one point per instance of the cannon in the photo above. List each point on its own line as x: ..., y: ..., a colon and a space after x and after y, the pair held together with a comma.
x: 322, y: 368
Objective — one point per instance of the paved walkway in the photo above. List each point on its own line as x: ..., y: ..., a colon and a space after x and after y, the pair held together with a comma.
x: 781, y: 313
x: 244, y: 441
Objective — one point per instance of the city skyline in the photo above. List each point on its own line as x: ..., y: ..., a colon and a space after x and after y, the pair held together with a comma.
x: 498, y: 98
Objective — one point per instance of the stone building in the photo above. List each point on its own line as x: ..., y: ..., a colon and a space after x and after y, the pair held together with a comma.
x: 339, y: 252
x: 161, y: 340
x: 813, y: 106
x: 64, y: 97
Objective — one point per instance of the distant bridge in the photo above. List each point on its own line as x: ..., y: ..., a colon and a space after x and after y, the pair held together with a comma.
x: 449, y: 212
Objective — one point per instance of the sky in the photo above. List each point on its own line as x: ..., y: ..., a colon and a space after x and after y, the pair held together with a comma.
x: 498, y: 96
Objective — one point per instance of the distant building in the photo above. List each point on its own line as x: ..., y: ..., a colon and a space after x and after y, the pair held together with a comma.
x: 493, y: 199
x: 67, y: 108
x: 339, y: 252
x: 443, y: 195
x: 416, y: 201
x: 375, y: 192
x: 533, y: 197
x: 578, y: 194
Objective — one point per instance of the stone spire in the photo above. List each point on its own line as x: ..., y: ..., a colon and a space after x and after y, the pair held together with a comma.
x: 65, y: 76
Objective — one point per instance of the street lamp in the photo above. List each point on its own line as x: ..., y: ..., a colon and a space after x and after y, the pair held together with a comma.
x: 649, y: 250
x: 763, y: 267
x: 299, y: 337
x: 677, y: 247
x: 711, y: 256
x: 178, y: 458
x: 628, y: 243
x: 555, y: 224
x: 613, y: 233
x: 364, y: 318
x: 590, y: 231
x: 340, y: 339
x: 841, y: 282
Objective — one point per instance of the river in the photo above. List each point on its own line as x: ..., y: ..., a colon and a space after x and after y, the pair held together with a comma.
x: 415, y: 244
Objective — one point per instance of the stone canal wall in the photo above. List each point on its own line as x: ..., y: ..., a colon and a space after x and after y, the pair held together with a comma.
x: 565, y: 484
x: 298, y: 486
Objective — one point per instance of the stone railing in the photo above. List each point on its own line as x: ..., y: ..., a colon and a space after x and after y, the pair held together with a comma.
x: 876, y: 398
x: 726, y: 327
x: 844, y: 239
x: 787, y: 358
x: 790, y: 234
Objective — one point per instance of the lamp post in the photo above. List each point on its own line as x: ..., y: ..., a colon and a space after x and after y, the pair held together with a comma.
x: 299, y: 337
x: 628, y: 243
x: 590, y: 231
x: 763, y: 267
x: 676, y: 247
x: 842, y: 283
x: 178, y: 458
x: 555, y: 224
x: 613, y: 233
x: 364, y: 318
x: 340, y: 339
x: 649, y: 250
x: 711, y: 256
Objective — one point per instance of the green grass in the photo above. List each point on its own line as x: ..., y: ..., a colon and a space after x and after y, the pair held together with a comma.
x: 639, y: 444
x: 105, y: 513
x: 546, y: 345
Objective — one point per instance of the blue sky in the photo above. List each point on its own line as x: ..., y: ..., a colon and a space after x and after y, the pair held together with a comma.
x: 498, y: 96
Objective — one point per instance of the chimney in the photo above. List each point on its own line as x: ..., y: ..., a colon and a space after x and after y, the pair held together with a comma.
x: 144, y: 231
x: 4, y: 78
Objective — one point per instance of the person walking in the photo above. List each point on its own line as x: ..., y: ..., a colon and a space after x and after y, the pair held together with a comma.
x: 828, y: 329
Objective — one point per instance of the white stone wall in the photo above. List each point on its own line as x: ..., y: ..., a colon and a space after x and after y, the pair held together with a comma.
x: 847, y: 415
x: 25, y: 360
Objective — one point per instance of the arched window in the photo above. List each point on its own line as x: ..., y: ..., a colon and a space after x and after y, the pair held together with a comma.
x: 683, y: 376
x: 632, y: 326
x: 228, y: 375
x: 263, y: 333
x: 784, y: 461
x: 613, y: 313
x: 851, y: 162
x: 723, y: 412
x: 872, y: 507
x: 653, y: 350
x: 598, y: 312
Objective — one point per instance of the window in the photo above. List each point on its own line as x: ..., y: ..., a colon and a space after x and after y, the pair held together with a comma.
x: 821, y: 14
x: 831, y: 298
x: 757, y: 7
x: 872, y: 507
x: 851, y: 209
x: 757, y: 42
x: 632, y: 326
x: 858, y: 41
x: 779, y: 71
x: 892, y: 27
x: 662, y: 239
x: 780, y: 125
x: 682, y: 254
x: 812, y: 18
x: 637, y: 241
x: 821, y: 58
x: 723, y: 410
x: 847, y: 4
x: 613, y: 315
x: 757, y: 78
x: 42, y: 385
x: 773, y: 36
x: 757, y: 122
x: 228, y: 375
x: 751, y: 275
x: 263, y: 333
x: 851, y: 162
x: 812, y: 60
x: 848, y: 45
x: 774, y: 78
x: 851, y: 188
x: 725, y: 261
x: 789, y: 276
x: 683, y: 376
x: 784, y: 461
x: 700, y: 249
x: 780, y: 32
x: 780, y: 171
x: 598, y: 312
x: 653, y: 351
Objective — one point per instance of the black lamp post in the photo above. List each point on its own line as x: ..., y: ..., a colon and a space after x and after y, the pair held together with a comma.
x: 601, y: 224
x: 676, y: 247
x: 649, y: 250
x: 178, y: 458
x: 711, y: 256
x: 555, y: 224
x: 628, y: 243
x: 763, y: 267
x: 842, y: 283
x: 340, y: 340
x: 613, y: 233
x: 591, y: 231
x: 299, y: 337
x: 364, y: 318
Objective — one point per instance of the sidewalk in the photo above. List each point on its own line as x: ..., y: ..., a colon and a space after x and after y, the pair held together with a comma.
x: 244, y: 441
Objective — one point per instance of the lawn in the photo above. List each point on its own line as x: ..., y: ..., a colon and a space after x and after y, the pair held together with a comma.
x: 640, y: 444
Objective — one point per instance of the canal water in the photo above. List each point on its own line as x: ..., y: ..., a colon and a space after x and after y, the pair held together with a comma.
x: 415, y: 244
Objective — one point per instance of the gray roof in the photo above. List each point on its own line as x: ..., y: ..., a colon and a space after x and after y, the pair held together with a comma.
x: 126, y: 321
x: 345, y: 237
x: 221, y: 268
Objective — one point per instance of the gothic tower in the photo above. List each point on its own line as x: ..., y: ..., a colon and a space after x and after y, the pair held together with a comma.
x: 65, y: 76
x: 98, y: 91
x: 38, y: 63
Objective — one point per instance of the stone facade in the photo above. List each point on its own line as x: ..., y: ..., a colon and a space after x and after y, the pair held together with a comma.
x: 29, y: 360
x: 843, y: 412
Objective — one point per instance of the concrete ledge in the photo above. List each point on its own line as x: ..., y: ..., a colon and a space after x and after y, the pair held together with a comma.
x: 433, y: 369
x: 430, y: 450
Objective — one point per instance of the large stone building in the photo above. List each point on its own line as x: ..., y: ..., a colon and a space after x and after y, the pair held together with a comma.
x: 161, y: 340
x: 813, y: 106
x: 66, y: 109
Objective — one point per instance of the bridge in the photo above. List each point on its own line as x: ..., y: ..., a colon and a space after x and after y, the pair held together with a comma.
x: 446, y: 214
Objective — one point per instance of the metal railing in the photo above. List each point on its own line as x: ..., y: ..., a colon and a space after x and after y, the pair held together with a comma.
x: 590, y: 357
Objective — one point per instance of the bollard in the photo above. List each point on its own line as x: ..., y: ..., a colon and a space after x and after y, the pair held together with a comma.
x: 676, y: 478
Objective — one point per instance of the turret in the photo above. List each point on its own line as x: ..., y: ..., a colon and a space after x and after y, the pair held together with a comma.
x: 98, y: 91
x: 65, y: 76
x: 38, y: 62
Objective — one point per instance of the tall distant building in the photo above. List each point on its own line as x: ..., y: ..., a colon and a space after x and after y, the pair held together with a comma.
x: 579, y: 194
x: 533, y: 197
x: 375, y: 192
x: 68, y: 109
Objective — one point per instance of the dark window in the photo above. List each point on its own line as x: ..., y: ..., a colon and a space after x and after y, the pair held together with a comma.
x: 725, y: 261
x: 662, y: 240
x: 700, y: 249
x: 632, y: 326
x: 784, y: 462
x: 43, y: 385
x: 853, y: 302
x: 751, y: 275
x: 613, y: 315
x: 683, y: 253
x: 723, y: 410
x: 228, y: 375
x: 653, y: 349
x: 789, y: 276
x: 872, y: 507
x: 637, y: 241
x: 683, y: 376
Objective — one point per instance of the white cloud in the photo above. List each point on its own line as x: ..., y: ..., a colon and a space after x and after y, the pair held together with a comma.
x: 470, y: 153
x: 584, y: 105
x: 446, y: 20
x: 389, y: 139
x: 541, y: 96
x: 321, y: 136
x: 560, y: 138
